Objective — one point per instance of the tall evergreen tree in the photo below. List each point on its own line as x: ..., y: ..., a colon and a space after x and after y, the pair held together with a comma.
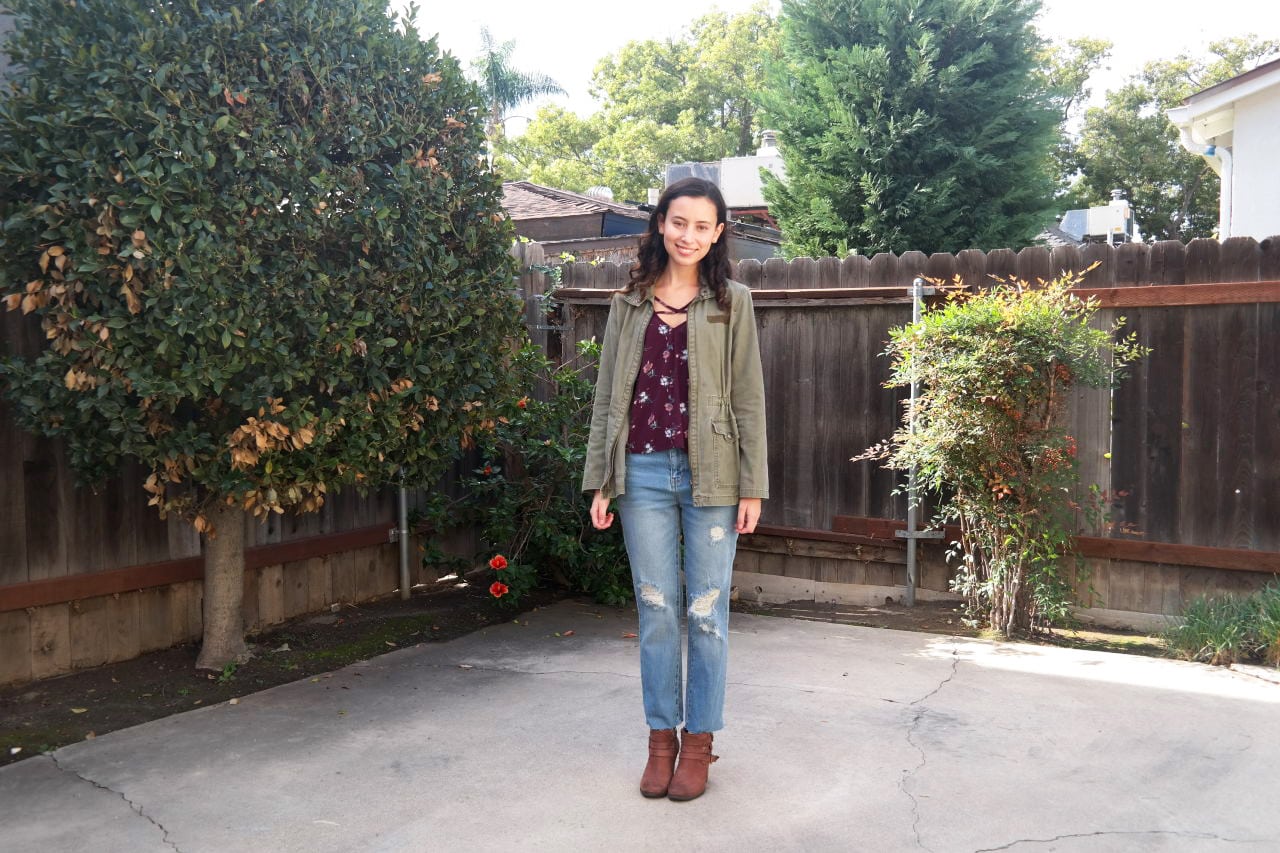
x: 910, y: 124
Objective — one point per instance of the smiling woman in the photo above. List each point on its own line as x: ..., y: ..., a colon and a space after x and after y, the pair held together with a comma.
x: 678, y: 437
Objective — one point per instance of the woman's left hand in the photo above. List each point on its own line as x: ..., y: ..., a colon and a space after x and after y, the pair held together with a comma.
x: 748, y: 514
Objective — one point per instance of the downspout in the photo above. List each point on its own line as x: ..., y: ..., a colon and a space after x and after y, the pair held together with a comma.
x: 1220, y: 160
x: 1225, y: 198
x: 402, y: 536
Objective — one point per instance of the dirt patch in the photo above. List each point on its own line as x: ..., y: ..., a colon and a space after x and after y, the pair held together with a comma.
x: 44, y: 715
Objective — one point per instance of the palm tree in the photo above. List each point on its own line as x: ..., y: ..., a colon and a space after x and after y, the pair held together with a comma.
x: 505, y: 87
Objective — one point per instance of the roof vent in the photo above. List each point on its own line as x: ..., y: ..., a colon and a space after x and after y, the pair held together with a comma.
x: 600, y: 193
x: 768, y: 143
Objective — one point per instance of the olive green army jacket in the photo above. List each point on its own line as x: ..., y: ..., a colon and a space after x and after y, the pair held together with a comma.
x: 726, y: 440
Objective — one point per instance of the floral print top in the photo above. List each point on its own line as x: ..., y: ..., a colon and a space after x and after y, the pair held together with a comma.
x: 660, y: 403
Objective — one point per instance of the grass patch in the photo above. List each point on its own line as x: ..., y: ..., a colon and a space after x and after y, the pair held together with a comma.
x: 1224, y: 630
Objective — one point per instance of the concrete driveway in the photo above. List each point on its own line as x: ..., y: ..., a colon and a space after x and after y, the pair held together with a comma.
x: 839, y: 738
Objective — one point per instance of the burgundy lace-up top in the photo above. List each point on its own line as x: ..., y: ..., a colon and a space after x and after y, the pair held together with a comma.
x: 660, y: 402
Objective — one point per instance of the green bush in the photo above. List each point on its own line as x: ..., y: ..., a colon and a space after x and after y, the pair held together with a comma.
x: 262, y: 245
x: 1267, y: 629
x: 524, y: 496
x: 996, y: 370
x: 1216, y: 630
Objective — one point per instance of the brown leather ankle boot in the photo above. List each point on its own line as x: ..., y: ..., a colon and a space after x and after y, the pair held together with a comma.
x: 690, y: 778
x: 663, y: 748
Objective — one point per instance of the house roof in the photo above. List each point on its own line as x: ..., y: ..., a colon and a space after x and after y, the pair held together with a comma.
x: 1249, y: 80
x: 527, y: 200
x: 1208, y: 116
x: 1054, y: 237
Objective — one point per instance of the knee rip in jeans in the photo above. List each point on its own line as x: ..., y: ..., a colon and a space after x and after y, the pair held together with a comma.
x: 702, y: 609
x: 717, y: 533
x: 652, y: 596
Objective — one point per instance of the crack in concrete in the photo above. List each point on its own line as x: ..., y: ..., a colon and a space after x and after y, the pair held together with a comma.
x: 1205, y: 836
x: 164, y: 833
x: 917, y: 715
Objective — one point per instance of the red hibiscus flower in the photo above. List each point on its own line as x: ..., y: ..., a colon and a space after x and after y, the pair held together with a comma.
x: 488, y: 470
x: 498, y: 589
x: 498, y: 563
x: 522, y: 402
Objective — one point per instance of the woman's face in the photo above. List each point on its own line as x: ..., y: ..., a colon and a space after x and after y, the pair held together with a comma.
x: 689, y: 229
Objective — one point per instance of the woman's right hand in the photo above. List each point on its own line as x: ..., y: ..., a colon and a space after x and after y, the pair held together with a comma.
x: 600, y: 515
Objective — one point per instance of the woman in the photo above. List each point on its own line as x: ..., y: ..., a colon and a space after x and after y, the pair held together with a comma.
x: 678, y: 438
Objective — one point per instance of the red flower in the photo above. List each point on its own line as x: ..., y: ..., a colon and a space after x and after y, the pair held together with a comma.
x: 498, y: 563
x: 498, y: 589
x: 522, y: 402
x: 488, y: 470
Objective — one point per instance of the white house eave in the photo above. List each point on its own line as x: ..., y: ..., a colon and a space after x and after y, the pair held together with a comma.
x: 1229, y: 95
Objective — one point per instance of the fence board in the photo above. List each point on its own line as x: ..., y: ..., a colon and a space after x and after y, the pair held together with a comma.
x: 1203, y: 261
x: 1238, y: 405
x: 15, y: 646
x: 13, y: 508
x: 270, y: 595
x: 90, y: 632
x: 123, y: 641
x: 1239, y: 260
x: 1266, y: 459
x: 828, y: 273
x: 1167, y: 262
x: 155, y: 618
x: 50, y: 641
x: 1155, y: 494
x: 883, y: 270
x: 802, y: 418
x: 1269, y: 259
x: 1035, y: 264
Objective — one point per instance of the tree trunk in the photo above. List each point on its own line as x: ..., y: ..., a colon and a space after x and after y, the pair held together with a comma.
x: 223, y: 641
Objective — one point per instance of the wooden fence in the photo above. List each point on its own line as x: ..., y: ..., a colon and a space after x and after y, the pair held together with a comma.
x: 1194, y: 437
x: 1191, y: 440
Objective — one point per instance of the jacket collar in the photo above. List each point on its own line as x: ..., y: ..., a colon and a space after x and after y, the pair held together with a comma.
x: 638, y: 297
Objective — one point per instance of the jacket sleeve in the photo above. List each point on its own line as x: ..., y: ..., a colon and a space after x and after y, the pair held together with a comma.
x: 747, y: 400
x: 594, y: 469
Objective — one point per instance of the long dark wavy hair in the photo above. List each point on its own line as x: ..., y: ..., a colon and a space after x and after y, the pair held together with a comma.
x: 652, y: 259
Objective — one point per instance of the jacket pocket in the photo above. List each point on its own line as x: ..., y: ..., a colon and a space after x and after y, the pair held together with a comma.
x: 724, y: 455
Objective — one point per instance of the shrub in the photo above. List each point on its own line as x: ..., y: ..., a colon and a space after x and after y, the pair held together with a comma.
x: 1266, y: 629
x: 997, y: 369
x: 524, y: 496
x: 1215, y: 630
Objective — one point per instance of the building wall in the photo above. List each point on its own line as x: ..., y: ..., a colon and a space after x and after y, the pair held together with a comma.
x: 1255, y: 207
x: 560, y: 227
x: 740, y: 179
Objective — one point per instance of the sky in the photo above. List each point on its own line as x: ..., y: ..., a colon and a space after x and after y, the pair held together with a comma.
x: 565, y: 38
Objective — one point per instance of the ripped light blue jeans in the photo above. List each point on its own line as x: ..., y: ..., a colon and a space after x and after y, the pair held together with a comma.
x: 663, y: 529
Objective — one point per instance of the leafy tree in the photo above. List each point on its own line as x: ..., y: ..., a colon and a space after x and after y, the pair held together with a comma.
x: 687, y: 99
x: 1130, y: 144
x: 263, y: 249
x: 1065, y: 71
x: 504, y: 86
x: 909, y: 124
